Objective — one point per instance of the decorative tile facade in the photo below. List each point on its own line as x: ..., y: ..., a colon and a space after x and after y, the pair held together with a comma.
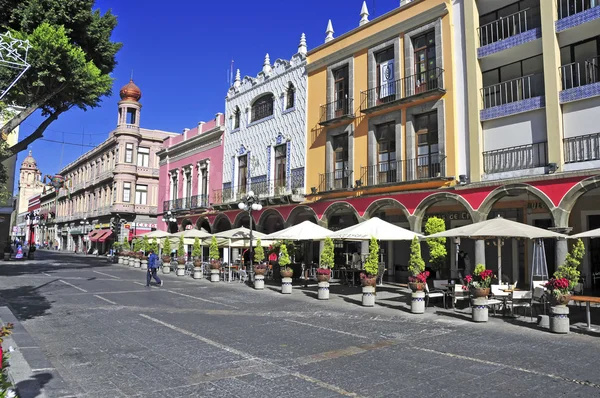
x: 512, y: 41
x: 512, y: 108
x: 578, y: 19
x: 579, y: 93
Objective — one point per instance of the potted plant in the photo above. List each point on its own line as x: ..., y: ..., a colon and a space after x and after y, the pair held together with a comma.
x: 570, y: 269
x: 260, y: 269
x: 326, y: 263
x: 166, y: 258
x: 215, y: 263
x: 145, y: 248
x: 559, y: 295
x: 196, y: 254
x: 368, y: 278
x: 137, y: 251
x: 416, y: 266
x: 118, y: 252
x: 126, y: 249
x: 437, y: 246
x: 479, y: 283
x: 286, y: 272
x: 181, y: 258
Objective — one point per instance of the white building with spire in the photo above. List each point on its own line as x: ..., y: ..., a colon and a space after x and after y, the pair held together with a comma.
x: 265, y: 135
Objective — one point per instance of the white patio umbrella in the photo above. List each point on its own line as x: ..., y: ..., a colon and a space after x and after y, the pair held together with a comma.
x: 374, y: 227
x: 157, y: 234
x: 498, y: 228
x: 594, y: 233
x: 306, y: 230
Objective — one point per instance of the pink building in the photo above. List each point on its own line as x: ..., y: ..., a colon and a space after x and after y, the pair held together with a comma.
x: 191, y: 168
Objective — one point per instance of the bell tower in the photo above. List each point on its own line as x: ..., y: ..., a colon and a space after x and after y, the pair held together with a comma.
x: 30, y: 182
x: 129, y: 107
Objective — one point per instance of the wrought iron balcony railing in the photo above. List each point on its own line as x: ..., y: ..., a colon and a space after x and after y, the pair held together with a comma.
x: 508, y: 26
x: 221, y: 196
x: 582, y: 149
x: 516, y: 158
x: 174, y: 205
x: 513, y: 90
x: 338, y: 179
x: 420, y: 168
x: 578, y: 74
x: 566, y: 8
x: 340, y: 109
x: 199, y: 201
x: 422, y: 83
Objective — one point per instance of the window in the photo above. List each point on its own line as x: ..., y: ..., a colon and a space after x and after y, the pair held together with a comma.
x: 128, y: 153
x: 204, y: 183
x: 131, y: 116
x: 386, y: 152
x: 141, y: 194
x: 174, y: 187
x: 340, y: 161
x: 290, y: 97
x: 262, y: 108
x: 143, y: 157
x: 385, y: 74
x: 242, y: 173
x: 425, y: 63
x: 341, y: 90
x: 236, y: 118
x: 513, y: 82
x: 188, y: 187
x: 428, y: 162
x: 126, y: 192
x: 280, y: 165
x: 580, y: 63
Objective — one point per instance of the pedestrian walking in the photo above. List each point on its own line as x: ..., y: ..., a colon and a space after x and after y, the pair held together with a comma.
x: 152, y: 268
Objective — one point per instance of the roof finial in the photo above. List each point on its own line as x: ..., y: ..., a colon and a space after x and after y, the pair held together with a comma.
x: 30, y: 152
x: 267, y: 64
x: 329, y: 32
x: 238, y: 79
x: 302, y: 45
x: 131, y: 78
x: 364, y: 14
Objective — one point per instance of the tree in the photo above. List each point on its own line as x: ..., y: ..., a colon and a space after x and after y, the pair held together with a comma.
x: 126, y: 243
x: 71, y: 58
x: 167, y: 247
x: 327, y: 255
x: 213, y: 251
x: 259, y: 252
x: 284, y: 259
x: 196, y: 249
x: 416, y: 265
x: 372, y: 263
x: 181, y: 247
x: 437, y: 246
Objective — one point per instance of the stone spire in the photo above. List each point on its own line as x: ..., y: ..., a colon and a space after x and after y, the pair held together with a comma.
x: 302, y: 45
x: 364, y: 14
x: 238, y: 80
x: 329, y: 32
x: 267, y: 65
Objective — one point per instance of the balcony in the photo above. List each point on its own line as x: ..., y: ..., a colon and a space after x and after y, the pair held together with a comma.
x: 147, y: 171
x: 513, y: 96
x: 337, y: 111
x: 580, y: 80
x: 516, y: 158
x: 405, y: 90
x: 583, y: 148
x: 174, y: 205
x: 509, y: 26
x: 335, y: 180
x: 400, y: 171
x: 222, y: 196
x: 199, y: 201
x: 103, y: 176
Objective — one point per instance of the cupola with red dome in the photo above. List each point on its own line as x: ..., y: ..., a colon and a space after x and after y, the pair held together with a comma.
x: 130, y: 92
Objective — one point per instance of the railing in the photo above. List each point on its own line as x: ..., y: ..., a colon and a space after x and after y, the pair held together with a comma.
x: 508, y: 26
x: 280, y: 187
x: 582, y: 149
x: 406, y: 87
x: 516, y: 158
x: 174, y: 205
x: 298, y: 179
x: 221, y: 196
x: 566, y: 8
x: 337, y: 109
x: 571, y: 75
x: 199, y: 201
x: 518, y: 89
x: 339, y: 179
x: 420, y: 168
x: 260, y: 188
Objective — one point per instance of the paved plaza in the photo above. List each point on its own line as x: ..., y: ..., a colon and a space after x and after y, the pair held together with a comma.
x: 91, y: 329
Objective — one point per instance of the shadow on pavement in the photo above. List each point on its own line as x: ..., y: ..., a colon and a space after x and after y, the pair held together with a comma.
x: 32, y: 387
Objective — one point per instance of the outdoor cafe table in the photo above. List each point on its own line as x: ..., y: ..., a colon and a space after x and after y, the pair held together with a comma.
x: 587, y: 300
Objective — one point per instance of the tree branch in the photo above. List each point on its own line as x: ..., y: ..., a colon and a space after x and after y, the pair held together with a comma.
x: 23, y: 115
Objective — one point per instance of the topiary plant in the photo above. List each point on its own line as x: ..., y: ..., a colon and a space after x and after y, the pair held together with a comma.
x: 196, y: 249
x: 570, y: 269
x: 181, y: 247
x: 437, y: 246
x: 213, y: 251
x: 167, y: 247
x: 284, y: 258
x: 416, y: 265
x: 259, y: 252
x: 153, y: 246
x: 372, y: 263
x: 145, y: 244
x: 327, y: 255
x: 126, y: 243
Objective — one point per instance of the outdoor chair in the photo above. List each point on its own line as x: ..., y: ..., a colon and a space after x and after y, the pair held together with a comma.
x: 536, y: 284
x: 457, y: 293
x: 538, y: 298
x: 243, y: 275
x: 434, y: 293
x: 439, y: 283
x: 522, y: 299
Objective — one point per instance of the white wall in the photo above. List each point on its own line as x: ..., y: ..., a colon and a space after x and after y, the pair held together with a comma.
x: 520, y: 129
x: 581, y: 117
x: 460, y: 91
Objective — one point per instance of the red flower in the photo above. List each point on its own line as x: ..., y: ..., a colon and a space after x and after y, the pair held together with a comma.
x: 1, y: 357
x: 468, y: 279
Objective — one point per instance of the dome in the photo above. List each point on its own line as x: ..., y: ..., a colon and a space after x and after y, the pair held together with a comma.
x: 130, y: 92
x: 29, y: 162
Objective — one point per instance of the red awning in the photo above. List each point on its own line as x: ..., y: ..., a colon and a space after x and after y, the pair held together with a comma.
x: 139, y: 231
x: 94, y: 235
x: 105, y: 235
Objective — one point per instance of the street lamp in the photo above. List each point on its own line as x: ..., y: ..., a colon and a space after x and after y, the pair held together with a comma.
x: 84, y: 223
x: 168, y: 218
x: 250, y: 203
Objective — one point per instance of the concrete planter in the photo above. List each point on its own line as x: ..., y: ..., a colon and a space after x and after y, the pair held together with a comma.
x: 259, y: 282
x: 180, y: 270
x: 131, y: 262
x: 6, y: 256
x: 166, y: 268
x: 120, y: 260
x: 368, y: 297
x: 417, y: 302
x: 323, y: 291
x: 144, y: 264
x: 286, y: 285
x: 214, y: 275
x: 480, y: 309
x: 137, y: 263
x: 198, y: 273
x: 559, y: 319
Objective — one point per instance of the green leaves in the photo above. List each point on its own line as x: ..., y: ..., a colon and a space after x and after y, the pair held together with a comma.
x: 259, y: 252
x: 284, y: 259
x: 327, y: 255
x: 213, y: 252
x: 196, y: 249
x: 570, y: 269
x: 416, y: 265
x: 437, y: 246
x: 181, y: 247
x: 372, y: 263
x: 167, y: 247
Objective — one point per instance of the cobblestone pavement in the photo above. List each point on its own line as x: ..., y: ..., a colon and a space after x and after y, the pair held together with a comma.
x: 92, y: 329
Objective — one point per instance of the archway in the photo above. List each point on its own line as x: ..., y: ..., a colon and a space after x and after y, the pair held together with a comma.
x: 270, y: 221
x: 338, y: 216
x: 300, y: 214
x: 203, y: 224
x: 242, y: 220
x: 186, y: 224
x: 456, y: 212
x: 221, y: 223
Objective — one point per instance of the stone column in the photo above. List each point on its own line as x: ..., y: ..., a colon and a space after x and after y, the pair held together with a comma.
x: 562, y: 247
x: 479, y: 253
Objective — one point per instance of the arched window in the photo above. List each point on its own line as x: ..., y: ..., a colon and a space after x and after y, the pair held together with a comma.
x: 291, y: 97
x: 236, y: 118
x: 262, y: 108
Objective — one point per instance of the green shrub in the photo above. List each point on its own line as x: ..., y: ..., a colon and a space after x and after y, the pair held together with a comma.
x: 213, y: 251
x: 372, y: 263
x: 167, y: 247
x: 126, y: 243
x: 154, y: 246
x: 416, y: 265
x: 437, y: 246
x: 570, y: 269
x: 196, y: 249
x: 327, y: 255
x: 284, y: 259
x: 259, y: 252
x: 181, y: 247
x: 479, y: 268
x: 145, y: 244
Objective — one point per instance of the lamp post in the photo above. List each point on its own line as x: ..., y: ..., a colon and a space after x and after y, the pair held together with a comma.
x: 168, y: 218
x: 84, y: 224
x: 250, y: 203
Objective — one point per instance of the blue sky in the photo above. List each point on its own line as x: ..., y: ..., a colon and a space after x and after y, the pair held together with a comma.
x: 181, y: 54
